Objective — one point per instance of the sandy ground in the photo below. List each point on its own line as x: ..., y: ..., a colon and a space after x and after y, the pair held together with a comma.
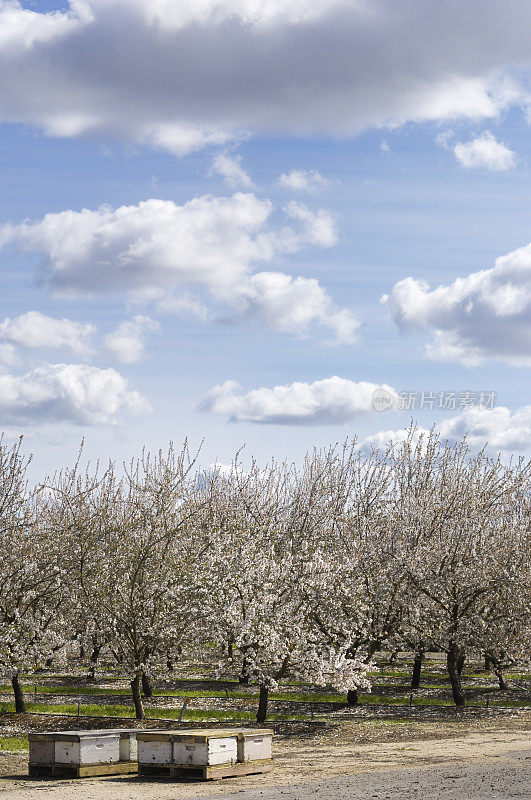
x: 483, y: 765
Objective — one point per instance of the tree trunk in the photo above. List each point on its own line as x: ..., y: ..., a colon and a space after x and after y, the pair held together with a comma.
x: 169, y: 664
x: 488, y: 661
x: 455, y: 679
x: 20, y: 705
x: 147, y: 688
x: 460, y: 663
x: 352, y: 697
x: 261, y: 715
x: 417, y: 668
x: 118, y: 657
x: 501, y: 679
x: 137, y: 697
x: 243, y: 680
x: 94, y: 661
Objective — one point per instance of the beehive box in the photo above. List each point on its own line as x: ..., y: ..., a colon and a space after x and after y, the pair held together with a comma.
x: 41, y: 749
x: 204, y: 753
x: 128, y: 746
x: 78, y: 753
x: 154, y: 750
x: 87, y: 747
x: 205, y: 748
x: 255, y: 745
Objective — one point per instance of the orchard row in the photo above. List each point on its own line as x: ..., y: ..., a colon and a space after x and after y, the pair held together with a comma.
x: 285, y: 571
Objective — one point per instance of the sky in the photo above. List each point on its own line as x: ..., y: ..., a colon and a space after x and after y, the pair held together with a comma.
x: 263, y: 224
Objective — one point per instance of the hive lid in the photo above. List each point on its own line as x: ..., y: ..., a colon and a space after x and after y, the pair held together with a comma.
x: 204, y: 734
x: 76, y: 736
x: 154, y: 733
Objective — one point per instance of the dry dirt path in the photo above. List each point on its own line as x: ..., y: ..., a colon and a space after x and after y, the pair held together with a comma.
x: 489, y: 765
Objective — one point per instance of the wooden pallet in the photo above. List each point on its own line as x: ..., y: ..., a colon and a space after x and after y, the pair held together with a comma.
x: 219, y: 771
x: 154, y: 770
x: 211, y: 773
x: 82, y: 770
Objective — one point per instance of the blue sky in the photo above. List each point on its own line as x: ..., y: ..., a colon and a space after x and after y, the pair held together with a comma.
x: 432, y: 185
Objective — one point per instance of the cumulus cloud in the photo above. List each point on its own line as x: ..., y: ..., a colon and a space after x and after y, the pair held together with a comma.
x: 8, y: 355
x: 231, y: 170
x: 23, y: 28
x: 76, y: 393
x: 319, y: 226
x: 209, y: 240
x: 499, y: 429
x: 181, y: 76
x: 36, y: 330
x: 487, y: 314
x: 182, y: 305
x: 303, y: 180
x: 293, y: 304
x: 127, y: 342
x: 485, y: 152
x: 160, y: 251
x: 327, y: 402
x: 179, y: 139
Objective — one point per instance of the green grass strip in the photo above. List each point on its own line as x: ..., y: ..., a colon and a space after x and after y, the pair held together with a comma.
x: 13, y: 744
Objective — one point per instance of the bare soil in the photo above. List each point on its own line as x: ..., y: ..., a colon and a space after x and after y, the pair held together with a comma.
x: 468, y: 757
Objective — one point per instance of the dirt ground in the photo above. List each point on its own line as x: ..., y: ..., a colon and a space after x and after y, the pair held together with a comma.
x: 468, y: 759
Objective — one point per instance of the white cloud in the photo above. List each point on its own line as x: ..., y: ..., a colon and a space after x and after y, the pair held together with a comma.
x: 319, y: 226
x: 443, y: 139
x: 293, y: 304
x: 36, y: 330
x: 21, y: 28
x: 287, y: 67
x: 175, y: 15
x: 226, y: 470
x: 231, y: 170
x: 497, y: 428
x: 76, y: 393
x: 179, y: 139
x: 303, y: 180
x: 8, y: 356
x: 160, y: 251
x: 382, y: 439
x: 485, y: 152
x: 487, y: 314
x: 156, y: 243
x: 127, y: 342
x: 330, y: 401
x: 182, y: 305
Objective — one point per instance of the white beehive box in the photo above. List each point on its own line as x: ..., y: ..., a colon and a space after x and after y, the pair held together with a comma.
x: 128, y: 746
x: 87, y: 748
x: 82, y: 747
x: 154, y: 747
x: 205, y: 748
x: 255, y: 745
x: 41, y: 749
